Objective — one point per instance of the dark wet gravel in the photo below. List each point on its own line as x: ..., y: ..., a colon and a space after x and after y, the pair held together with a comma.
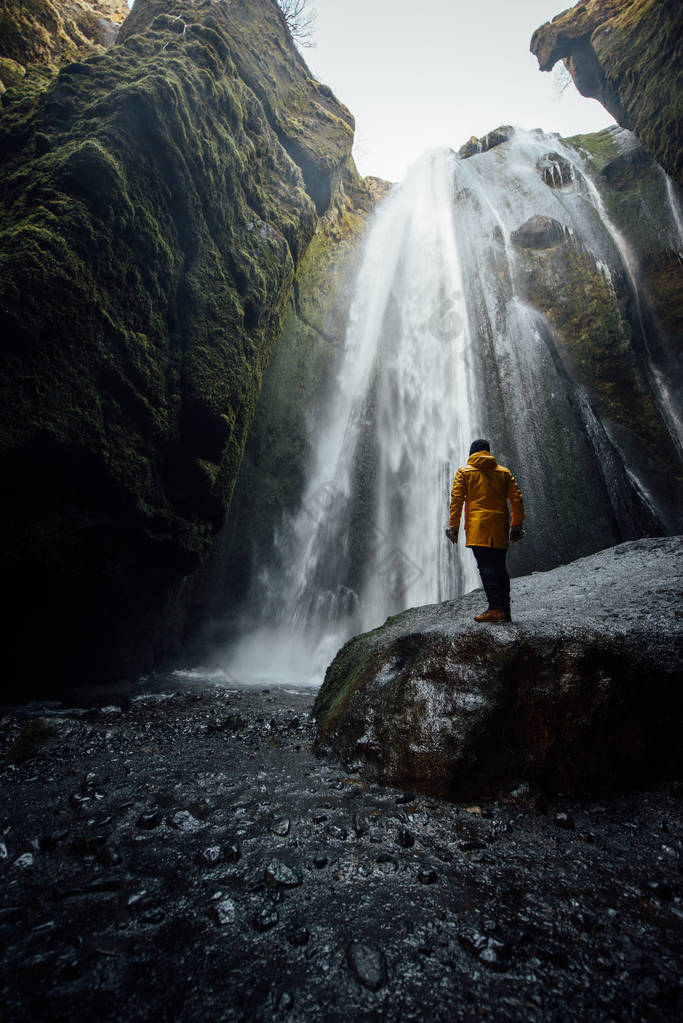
x: 185, y: 856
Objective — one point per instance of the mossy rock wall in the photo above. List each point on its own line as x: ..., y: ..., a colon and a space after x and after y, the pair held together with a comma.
x: 627, y: 54
x: 296, y: 385
x: 48, y: 33
x: 157, y: 199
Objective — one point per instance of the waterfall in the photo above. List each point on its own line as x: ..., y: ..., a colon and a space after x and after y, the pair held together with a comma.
x: 442, y: 347
x: 368, y: 538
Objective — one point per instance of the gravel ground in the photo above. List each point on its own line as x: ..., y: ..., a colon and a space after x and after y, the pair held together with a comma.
x: 181, y: 854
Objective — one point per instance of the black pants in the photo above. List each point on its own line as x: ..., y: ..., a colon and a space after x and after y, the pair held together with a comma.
x: 494, y: 576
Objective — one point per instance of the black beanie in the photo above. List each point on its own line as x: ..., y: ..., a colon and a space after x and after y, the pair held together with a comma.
x: 479, y: 445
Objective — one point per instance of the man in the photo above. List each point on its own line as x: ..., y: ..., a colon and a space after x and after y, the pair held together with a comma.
x: 485, y: 488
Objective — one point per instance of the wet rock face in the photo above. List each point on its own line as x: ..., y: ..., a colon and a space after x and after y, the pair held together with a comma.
x: 489, y: 141
x: 555, y: 170
x: 145, y: 866
x: 539, y: 233
x: 581, y: 694
x: 158, y: 199
x: 627, y: 56
x: 629, y: 170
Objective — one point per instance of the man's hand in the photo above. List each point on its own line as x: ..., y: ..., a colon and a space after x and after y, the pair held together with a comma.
x: 516, y: 533
x: 452, y: 534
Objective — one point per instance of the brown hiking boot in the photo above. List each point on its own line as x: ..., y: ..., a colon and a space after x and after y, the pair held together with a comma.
x: 492, y: 615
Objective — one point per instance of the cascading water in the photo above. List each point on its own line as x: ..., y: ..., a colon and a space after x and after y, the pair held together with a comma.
x: 442, y: 347
x: 369, y: 536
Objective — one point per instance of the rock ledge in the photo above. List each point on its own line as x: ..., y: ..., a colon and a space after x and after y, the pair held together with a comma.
x: 581, y: 694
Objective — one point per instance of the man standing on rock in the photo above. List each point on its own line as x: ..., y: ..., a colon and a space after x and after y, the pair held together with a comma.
x: 485, y: 488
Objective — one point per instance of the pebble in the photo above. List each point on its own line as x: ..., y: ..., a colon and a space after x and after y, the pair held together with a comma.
x: 281, y: 827
x: 490, y: 951
x: 225, y: 912
x: 367, y: 964
x: 266, y: 918
x: 334, y: 831
x: 183, y: 820
x: 405, y: 838
x: 211, y: 854
x: 564, y: 820
x: 279, y: 874
x: 23, y: 861
x: 427, y: 876
x: 360, y: 825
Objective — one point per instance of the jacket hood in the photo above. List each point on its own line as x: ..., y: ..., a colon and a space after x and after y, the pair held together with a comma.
x: 482, y: 460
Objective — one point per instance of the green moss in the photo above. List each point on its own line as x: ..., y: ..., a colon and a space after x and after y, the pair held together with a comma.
x: 349, y: 672
x: 594, y: 340
x: 152, y: 218
x: 601, y: 146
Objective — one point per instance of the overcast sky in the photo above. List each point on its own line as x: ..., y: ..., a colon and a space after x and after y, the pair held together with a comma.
x: 423, y: 73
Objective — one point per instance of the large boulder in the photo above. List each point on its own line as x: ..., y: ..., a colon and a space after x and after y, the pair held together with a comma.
x: 157, y: 200
x: 627, y: 55
x: 539, y: 233
x: 581, y: 694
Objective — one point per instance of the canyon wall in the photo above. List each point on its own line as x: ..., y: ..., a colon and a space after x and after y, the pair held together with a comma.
x: 157, y: 200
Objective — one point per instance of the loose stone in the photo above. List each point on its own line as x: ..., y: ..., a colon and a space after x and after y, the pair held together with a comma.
x: 225, y: 912
x: 279, y: 874
x: 405, y: 838
x: 183, y: 820
x: 211, y: 854
x: 367, y: 964
x: 334, y: 831
x: 490, y: 951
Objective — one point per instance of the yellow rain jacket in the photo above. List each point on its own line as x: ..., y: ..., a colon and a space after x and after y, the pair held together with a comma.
x: 485, y: 488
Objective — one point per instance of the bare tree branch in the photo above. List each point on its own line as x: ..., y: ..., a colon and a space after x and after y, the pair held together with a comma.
x: 561, y: 79
x: 300, y: 17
